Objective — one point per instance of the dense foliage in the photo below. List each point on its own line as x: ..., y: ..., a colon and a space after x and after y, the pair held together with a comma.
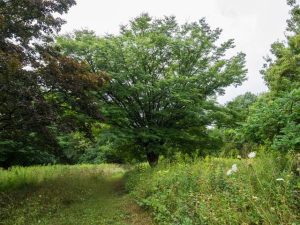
x: 270, y: 119
x: 146, y: 92
x: 40, y: 90
x: 275, y: 122
x: 275, y: 119
x: 229, y: 131
x: 164, y: 78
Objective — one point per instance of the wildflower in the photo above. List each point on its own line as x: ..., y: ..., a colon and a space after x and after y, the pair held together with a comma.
x: 239, y: 157
x: 234, y: 168
x: 229, y: 172
x: 280, y: 179
x: 252, y: 155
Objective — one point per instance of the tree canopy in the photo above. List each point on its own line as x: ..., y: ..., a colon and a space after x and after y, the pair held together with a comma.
x: 163, y: 81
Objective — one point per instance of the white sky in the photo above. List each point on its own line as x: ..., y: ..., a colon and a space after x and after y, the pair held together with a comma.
x: 254, y: 24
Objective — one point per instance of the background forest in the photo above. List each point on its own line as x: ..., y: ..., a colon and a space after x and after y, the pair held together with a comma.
x: 148, y: 92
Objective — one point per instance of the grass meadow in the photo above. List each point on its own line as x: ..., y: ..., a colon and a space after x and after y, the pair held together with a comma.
x: 64, y: 195
x: 262, y: 189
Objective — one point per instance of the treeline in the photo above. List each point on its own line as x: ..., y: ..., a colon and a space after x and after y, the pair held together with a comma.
x: 271, y: 119
x: 147, y: 92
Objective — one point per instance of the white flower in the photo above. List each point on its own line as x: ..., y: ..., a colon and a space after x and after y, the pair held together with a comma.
x: 234, y: 168
x: 252, y: 155
x: 280, y: 179
x: 229, y: 172
x: 239, y: 157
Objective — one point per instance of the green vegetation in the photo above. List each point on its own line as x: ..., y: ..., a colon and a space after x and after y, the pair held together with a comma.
x: 164, y: 78
x: 43, y: 94
x: 260, y: 190
x: 147, y: 94
x: 83, y: 194
x: 271, y: 119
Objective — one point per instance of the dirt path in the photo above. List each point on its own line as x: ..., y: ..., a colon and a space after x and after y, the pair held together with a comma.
x: 133, y: 214
x: 110, y: 204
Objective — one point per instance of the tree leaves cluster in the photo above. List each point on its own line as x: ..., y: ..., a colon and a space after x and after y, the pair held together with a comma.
x: 37, y: 83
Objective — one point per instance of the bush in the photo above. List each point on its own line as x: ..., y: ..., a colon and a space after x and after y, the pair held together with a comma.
x: 263, y: 190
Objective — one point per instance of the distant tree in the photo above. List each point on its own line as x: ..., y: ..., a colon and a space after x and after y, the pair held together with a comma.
x: 164, y: 79
x: 37, y: 84
x: 231, y: 118
x: 238, y: 109
x: 275, y: 119
x: 281, y: 71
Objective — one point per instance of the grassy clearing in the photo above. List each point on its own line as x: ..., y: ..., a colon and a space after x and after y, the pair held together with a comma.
x: 85, y: 194
x: 263, y: 190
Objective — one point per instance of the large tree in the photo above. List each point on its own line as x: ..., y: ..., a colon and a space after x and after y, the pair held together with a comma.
x: 164, y: 79
x: 37, y: 84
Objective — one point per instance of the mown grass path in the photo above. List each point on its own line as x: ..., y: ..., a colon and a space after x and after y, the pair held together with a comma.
x: 78, y: 197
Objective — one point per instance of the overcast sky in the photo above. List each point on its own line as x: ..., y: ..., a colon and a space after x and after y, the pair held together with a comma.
x: 254, y: 24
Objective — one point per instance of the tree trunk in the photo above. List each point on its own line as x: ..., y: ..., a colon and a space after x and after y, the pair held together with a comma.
x: 152, y: 158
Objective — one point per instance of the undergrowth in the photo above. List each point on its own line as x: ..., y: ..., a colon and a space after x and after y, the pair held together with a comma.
x: 260, y: 190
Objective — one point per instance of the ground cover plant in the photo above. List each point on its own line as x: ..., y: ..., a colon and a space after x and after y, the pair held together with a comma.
x: 255, y: 190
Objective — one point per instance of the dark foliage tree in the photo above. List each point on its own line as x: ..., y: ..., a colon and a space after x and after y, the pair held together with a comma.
x: 36, y: 82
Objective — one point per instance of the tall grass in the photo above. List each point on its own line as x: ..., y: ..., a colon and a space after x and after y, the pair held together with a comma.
x: 263, y: 190
x: 19, y: 177
x: 79, y: 194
